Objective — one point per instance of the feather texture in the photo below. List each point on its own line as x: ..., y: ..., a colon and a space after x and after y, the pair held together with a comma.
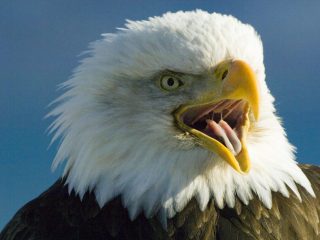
x: 57, y: 215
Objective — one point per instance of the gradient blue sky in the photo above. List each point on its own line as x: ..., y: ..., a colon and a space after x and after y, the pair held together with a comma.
x: 41, y: 39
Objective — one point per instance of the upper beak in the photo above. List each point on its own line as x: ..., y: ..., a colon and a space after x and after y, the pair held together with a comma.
x: 241, y: 83
x: 232, y: 80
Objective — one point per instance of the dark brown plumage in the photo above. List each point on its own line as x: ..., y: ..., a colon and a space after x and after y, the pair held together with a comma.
x: 56, y: 215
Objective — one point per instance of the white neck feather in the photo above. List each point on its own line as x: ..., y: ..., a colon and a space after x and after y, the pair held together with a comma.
x: 152, y: 172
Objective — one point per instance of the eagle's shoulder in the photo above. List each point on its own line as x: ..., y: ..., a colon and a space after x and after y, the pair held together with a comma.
x: 289, y: 218
x: 55, y: 214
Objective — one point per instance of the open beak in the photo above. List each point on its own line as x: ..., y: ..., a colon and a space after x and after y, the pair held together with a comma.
x: 221, y: 119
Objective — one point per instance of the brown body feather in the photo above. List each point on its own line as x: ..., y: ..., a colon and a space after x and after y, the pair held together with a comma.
x: 56, y: 215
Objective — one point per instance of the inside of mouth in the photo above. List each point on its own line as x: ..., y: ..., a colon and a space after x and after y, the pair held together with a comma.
x: 221, y: 121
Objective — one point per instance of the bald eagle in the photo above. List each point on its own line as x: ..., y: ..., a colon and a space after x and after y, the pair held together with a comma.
x: 168, y: 131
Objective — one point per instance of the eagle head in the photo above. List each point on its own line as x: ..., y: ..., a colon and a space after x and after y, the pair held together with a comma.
x: 173, y: 108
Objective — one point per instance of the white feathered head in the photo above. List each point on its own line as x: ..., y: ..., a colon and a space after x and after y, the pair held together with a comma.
x: 171, y: 108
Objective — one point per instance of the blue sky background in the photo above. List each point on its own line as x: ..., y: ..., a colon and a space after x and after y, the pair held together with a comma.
x: 41, y: 39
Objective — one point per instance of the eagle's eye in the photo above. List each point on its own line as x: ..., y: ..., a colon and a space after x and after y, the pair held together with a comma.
x: 169, y: 83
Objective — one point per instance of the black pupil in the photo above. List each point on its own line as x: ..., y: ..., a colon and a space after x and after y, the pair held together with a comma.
x: 224, y: 74
x: 170, y: 82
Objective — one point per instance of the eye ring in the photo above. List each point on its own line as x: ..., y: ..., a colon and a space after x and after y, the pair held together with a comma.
x: 170, y: 83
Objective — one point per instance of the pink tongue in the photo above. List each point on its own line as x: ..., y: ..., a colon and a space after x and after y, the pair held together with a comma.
x: 228, y: 135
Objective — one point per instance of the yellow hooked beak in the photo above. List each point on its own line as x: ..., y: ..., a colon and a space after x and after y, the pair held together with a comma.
x: 234, y: 83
